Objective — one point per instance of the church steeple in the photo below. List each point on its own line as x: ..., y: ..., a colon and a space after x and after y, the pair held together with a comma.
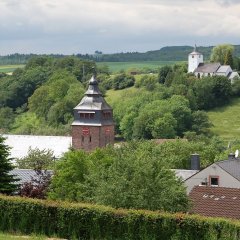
x: 93, y: 124
x: 194, y: 59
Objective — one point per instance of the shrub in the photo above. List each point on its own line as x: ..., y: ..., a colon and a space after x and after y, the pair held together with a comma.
x: 84, y: 221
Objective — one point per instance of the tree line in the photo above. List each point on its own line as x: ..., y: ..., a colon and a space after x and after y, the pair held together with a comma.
x: 173, y: 53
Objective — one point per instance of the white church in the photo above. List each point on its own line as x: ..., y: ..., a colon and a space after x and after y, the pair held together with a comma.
x: 201, y: 69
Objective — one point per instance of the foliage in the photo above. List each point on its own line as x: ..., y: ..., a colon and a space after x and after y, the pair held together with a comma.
x: 147, y: 81
x: 122, y: 81
x: 163, y: 73
x: 37, y: 159
x: 68, y: 184
x: 222, y: 53
x: 38, y: 186
x: 6, y: 118
x: 132, y: 176
x: 85, y: 221
x: 212, y: 92
x: 8, y: 182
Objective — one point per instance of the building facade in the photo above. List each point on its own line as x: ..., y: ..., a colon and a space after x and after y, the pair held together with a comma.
x: 93, y: 125
x: 224, y: 173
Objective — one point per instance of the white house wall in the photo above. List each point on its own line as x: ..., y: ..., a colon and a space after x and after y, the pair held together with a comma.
x: 225, y: 179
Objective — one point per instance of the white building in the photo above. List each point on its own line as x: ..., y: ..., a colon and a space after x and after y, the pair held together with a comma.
x: 20, y: 144
x: 201, y: 69
x: 224, y: 173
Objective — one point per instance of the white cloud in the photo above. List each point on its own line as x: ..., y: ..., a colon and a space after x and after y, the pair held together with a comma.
x: 116, y: 25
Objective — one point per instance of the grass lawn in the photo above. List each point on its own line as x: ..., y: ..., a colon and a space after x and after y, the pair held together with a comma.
x: 6, y: 236
x: 226, y: 120
x: 9, y: 68
x: 117, y: 66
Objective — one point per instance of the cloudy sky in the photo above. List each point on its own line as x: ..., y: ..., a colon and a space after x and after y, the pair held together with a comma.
x: 83, y: 26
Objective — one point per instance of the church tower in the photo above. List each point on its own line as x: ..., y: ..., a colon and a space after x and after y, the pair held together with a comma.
x: 194, y: 59
x: 93, y: 124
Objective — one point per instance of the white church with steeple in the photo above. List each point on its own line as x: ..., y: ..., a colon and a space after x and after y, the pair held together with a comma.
x: 194, y: 59
x: 201, y: 69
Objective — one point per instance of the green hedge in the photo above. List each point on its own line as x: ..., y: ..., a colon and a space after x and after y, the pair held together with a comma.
x: 85, y: 221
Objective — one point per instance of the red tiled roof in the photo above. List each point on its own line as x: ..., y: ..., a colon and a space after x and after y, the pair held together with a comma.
x: 216, y: 201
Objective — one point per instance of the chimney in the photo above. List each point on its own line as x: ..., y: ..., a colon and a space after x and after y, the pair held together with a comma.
x: 231, y: 156
x: 195, y: 161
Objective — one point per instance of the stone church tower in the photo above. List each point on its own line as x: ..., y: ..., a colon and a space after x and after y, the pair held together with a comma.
x: 93, y: 124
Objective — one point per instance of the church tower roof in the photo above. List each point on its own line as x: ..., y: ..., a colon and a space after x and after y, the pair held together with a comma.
x: 93, y: 99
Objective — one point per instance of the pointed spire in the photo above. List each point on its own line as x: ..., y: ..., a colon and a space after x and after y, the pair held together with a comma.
x: 195, y: 48
x: 93, y: 87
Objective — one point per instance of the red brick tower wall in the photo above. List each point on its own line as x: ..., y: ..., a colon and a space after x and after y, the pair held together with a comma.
x: 92, y: 137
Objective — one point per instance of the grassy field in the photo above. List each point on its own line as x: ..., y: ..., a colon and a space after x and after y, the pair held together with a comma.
x: 118, y: 95
x: 6, y: 236
x: 113, y: 66
x: 226, y: 120
x: 117, y: 66
x: 9, y: 68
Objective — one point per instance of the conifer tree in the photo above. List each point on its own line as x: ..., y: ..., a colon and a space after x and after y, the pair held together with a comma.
x: 7, y: 181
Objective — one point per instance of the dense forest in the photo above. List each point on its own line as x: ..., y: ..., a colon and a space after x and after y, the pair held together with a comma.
x: 174, y: 53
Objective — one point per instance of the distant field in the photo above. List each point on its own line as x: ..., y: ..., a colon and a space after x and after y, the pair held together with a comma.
x: 117, y: 66
x: 9, y: 68
x: 226, y: 120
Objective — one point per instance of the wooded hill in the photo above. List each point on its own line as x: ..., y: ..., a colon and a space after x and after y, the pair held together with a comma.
x: 172, y: 53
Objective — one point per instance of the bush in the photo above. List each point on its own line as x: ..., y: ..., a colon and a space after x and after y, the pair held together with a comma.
x: 82, y: 221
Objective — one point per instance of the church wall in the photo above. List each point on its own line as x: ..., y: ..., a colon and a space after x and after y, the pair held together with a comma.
x: 92, y: 137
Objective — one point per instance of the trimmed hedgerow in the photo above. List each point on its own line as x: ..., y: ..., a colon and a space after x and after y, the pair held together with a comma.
x: 85, y: 221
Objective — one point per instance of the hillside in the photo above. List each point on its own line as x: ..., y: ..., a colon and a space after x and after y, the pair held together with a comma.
x: 169, y: 53
x: 226, y: 120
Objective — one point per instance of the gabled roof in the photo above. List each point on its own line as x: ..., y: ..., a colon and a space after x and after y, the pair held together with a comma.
x: 207, y: 67
x: 26, y: 175
x: 184, y: 173
x: 232, y: 166
x: 223, y: 69
x: 216, y: 201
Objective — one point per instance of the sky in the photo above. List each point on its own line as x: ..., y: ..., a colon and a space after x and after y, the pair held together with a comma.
x: 110, y: 26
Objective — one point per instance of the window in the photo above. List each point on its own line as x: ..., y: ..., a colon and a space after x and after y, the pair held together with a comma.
x: 198, y: 75
x: 192, y: 56
x: 87, y: 115
x: 90, y: 139
x: 214, y: 181
x: 107, y: 115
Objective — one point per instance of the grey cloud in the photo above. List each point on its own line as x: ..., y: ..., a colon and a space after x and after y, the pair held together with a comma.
x: 227, y: 2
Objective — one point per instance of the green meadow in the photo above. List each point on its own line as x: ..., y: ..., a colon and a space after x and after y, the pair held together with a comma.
x: 10, y: 68
x: 6, y: 236
x: 226, y: 120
